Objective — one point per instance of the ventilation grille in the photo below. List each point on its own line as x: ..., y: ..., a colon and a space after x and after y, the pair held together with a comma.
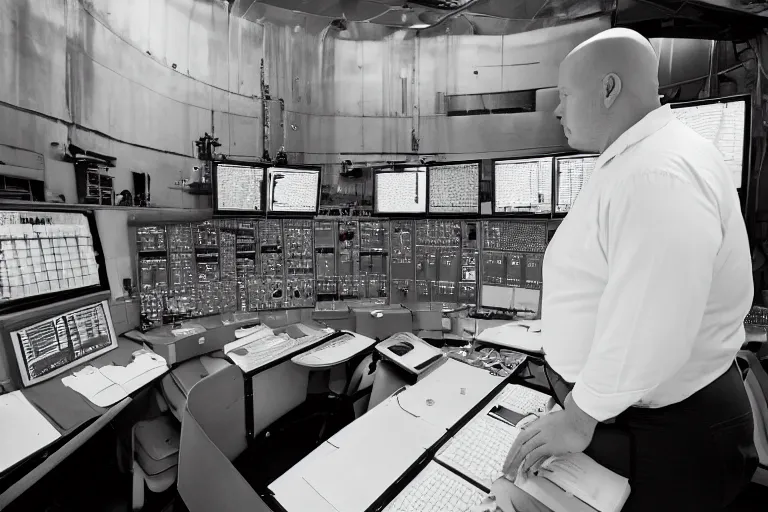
x: 491, y: 103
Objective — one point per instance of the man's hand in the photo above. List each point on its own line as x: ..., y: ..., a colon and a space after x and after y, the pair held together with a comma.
x: 557, y: 433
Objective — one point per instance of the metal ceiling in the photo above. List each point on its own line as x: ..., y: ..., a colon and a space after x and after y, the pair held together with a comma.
x: 714, y: 19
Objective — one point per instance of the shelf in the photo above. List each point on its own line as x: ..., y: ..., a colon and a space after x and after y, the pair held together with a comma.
x: 157, y: 253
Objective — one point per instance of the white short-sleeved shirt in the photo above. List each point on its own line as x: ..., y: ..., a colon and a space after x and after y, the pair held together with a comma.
x: 648, y: 279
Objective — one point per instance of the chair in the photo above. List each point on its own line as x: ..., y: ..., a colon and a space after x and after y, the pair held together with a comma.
x: 756, y: 383
x: 212, y: 436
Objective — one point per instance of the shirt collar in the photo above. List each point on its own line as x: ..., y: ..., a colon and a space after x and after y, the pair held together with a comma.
x: 650, y: 124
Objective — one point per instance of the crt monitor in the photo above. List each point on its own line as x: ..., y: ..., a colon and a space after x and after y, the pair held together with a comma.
x: 401, y: 191
x: 523, y: 186
x: 572, y: 173
x: 726, y: 123
x: 454, y: 188
x: 48, y: 255
x: 238, y: 188
x: 49, y: 340
x: 293, y: 190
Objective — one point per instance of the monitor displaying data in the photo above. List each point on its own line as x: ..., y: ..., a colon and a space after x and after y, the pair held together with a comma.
x: 45, y: 252
x: 572, y: 174
x: 239, y: 188
x: 454, y: 188
x: 723, y: 124
x: 56, y: 344
x: 293, y: 190
x: 523, y: 186
x: 403, y: 191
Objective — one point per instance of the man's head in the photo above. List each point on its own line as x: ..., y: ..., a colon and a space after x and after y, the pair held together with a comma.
x: 607, y: 84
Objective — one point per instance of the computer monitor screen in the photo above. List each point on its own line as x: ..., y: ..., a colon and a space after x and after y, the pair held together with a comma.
x: 401, y: 192
x: 723, y: 124
x: 45, y: 252
x: 523, y: 186
x: 58, y: 343
x: 454, y: 188
x: 239, y: 188
x: 293, y: 190
x: 572, y: 174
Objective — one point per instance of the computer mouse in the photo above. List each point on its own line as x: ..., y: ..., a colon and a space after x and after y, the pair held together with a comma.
x: 402, y: 348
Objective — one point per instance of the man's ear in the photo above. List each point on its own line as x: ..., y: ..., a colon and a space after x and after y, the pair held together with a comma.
x: 611, y: 89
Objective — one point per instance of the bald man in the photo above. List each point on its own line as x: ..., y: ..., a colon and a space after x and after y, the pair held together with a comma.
x: 647, y: 283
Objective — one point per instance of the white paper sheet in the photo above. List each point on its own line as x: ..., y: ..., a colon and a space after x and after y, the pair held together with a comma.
x: 23, y: 430
x: 109, y: 384
x: 516, y: 335
x: 95, y: 386
x: 447, y: 394
x: 145, y: 367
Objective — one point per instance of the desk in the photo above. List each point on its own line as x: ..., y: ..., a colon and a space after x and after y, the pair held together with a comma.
x: 328, y: 355
x: 355, y: 467
x: 71, y: 415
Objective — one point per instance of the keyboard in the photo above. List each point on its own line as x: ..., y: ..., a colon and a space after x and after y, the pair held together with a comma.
x: 479, y: 449
x: 436, y: 489
x: 267, y: 349
x: 523, y: 400
x: 336, y: 342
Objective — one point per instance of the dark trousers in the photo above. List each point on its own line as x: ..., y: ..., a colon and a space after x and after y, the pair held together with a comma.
x: 695, y: 455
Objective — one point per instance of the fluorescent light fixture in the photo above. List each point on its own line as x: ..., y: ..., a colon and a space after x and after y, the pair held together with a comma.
x: 419, y: 25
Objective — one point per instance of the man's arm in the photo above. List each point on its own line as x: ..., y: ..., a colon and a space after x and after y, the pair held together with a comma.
x: 661, y: 238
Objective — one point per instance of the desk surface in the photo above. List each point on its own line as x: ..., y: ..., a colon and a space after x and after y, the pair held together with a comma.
x: 355, y: 467
x: 63, y: 410
x: 332, y: 352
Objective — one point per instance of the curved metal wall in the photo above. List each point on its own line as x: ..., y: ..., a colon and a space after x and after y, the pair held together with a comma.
x: 141, y: 80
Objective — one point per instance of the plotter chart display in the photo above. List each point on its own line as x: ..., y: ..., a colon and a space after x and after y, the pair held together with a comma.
x: 50, y: 347
x: 454, y: 188
x: 523, y: 186
x: 292, y: 190
x: 723, y: 125
x: 239, y: 188
x: 572, y: 175
x: 45, y: 252
x: 401, y: 191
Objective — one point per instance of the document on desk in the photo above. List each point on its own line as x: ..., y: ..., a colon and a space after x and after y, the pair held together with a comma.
x: 523, y: 335
x: 109, y: 384
x: 370, y: 461
x: 570, y: 482
x: 23, y: 430
x: 443, y: 397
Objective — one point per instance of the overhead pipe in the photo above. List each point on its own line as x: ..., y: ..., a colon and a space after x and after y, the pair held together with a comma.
x: 451, y: 14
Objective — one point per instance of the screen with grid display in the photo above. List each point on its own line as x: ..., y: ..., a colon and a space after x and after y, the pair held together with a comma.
x: 402, y: 191
x: 293, y: 190
x: 454, y: 188
x: 45, y: 252
x: 56, y: 344
x: 723, y: 125
x: 572, y: 174
x: 239, y: 187
x: 523, y: 186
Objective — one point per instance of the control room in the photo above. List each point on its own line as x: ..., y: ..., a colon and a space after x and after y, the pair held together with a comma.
x: 383, y: 256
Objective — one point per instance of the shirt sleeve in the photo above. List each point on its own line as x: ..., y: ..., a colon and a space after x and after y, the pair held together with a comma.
x: 661, y: 236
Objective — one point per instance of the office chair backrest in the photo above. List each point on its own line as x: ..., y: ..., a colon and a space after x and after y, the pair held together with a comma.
x: 361, y: 380
x: 756, y: 383
x: 212, y: 435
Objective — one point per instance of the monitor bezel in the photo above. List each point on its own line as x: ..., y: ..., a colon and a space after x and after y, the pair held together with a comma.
x: 454, y: 215
x: 401, y: 215
x: 522, y: 215
x: 743, y: 191
x: 217, y: 212
x: 24, y: 303
x: 556, y: 182
x: 293, y: 215
x: 12, y: 323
